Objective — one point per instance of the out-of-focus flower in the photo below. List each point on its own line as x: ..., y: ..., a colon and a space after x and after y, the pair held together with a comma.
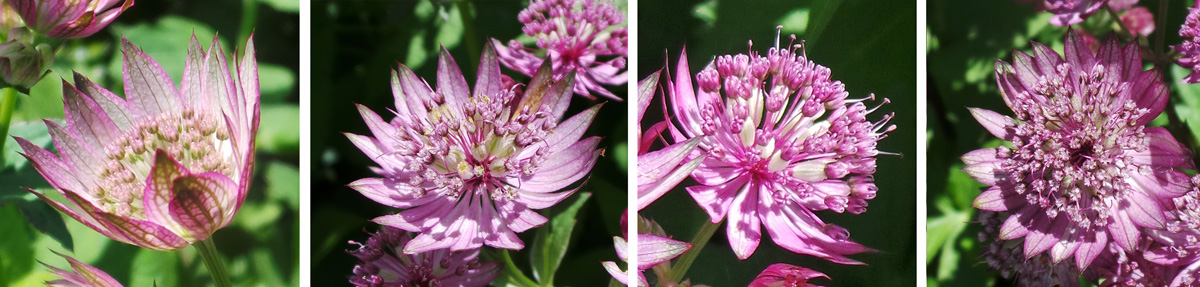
x: 1139, y: 20
x: 786, y: 275
x: 1007, y: 258
x: 381, y: 263
x: 469, y: 168
x: 83, y: 276
x: 577, y: 36
x: 21, y: 63
x: 163, y: 167
x: 8, y: 17
x: 1121, y: 5
x: 661, y: 170
x: 1069, y: 12
x: 68, y: 19
x: 780, y: 140
x: 1083, y: 170
x: 1190, y: 48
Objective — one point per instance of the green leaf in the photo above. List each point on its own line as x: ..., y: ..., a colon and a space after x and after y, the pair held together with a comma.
x: 290, y: 6
x: 34, y: 131
x: 275, y: 82
x: 279, y: 130
x: 550, y: 244
x: 151, y: 267
x: 283, y: 183
x: 795, y: 22
x: 1189, y: 95
x: 16, y: 258
x: 45, y: 218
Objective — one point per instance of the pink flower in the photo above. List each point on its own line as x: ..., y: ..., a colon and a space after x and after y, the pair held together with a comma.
x: 83, y: 276
x: 381, y: 263
x: 654, y: 248
x: 1139, y: 21
x: 1083, y: 170
x: 163, y: 167
x: 1190, y: 48
x: 1069, y: 12
x: 68, y: 19
x: 469, y: 168
x: 786, y: 275
x: 780, y: 141
x: 1011, y: 262
x: 576, y: 35
x: 661, y: 170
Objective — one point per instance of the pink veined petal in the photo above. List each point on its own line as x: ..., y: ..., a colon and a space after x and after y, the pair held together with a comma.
x: 1018, y: 224
x: 85, y: 118
x: 160, y: 192
x: 1143, y: 210
x: 1160, y: 183
x: 468, y: 227
x: 203, y: 202
x: 683, y: 97
x: 983, y: 166
x: 782, y: 274
x: 996, y: 199
x: 94, y: 276
x: 78, y: 156
x: 191, y: 86
x: 87, y: 219
x: 518, y: 216
x: 654, y: 250
x: 568, y: 132
x: 487, y: 80
x: 415, y: 93
x: 137, y: 232
x: 799, y: 230
x: 54, y: 170
x: 1064, y: 248
x: 116, y: 107
x: 994, y: 122
x: 443, y: 233
x: 1123, y: 230
x: 382, y: 131
x: 147, y: 87
x: 1076, y: 50
x: 713, y: 171
x: 715, y: 199
x: 649, y: 194
x: 743, y: 228
x: 373, y: 149
x: 540, y: 200
x: 1089, y: 248
x: 1164, y: 151
x: 1043, y: 234
x: 645, y: 92
x: 563, y: 168
x: 451, y: 84
x: 416, y: 218
x: 479, y: 276
x: 516, y: 59
x: 392, y: 192
x: 1027, y: 71
x: 653, y: 166
x: 498, y: 233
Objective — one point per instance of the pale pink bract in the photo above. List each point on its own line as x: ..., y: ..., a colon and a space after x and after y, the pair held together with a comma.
x: 68, y: 19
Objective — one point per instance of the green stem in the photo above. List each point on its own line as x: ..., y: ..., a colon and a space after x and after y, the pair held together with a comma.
x: 685, y: 261
x: 1160, y: 35
x: 7, y: 106
x: 514, y: 271
x: 212, y: 261
x: 249, y: 14
x: 1120, y: 23
x: 468, y: 21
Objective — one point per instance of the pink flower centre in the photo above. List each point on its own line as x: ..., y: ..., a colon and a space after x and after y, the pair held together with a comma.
x: 194, y: 139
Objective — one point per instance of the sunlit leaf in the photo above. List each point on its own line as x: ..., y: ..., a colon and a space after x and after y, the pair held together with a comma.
x: 550, y: 244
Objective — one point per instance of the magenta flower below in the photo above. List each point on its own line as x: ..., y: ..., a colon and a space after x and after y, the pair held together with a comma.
x: 652, y: 250
x: 1139, y: 21
x: 780, y: 141
x: 1190, y: 48
x: 1069, y: 12
x: 1011, y: 262
x: 577, y: 36
x: 67, y: 19
x: 1082, y: 169
x: 161, y: 168
x: 381, y: 263
x: 81, y: 275
x: 469, y: 167
x: 783, y: 274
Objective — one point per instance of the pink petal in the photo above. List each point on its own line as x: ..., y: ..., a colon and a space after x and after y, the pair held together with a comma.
x: 1123, y: 230
x: 392, y: 192
x: 715, y: 199
x: 451, y: 84
x: 1143, y: 210
x: 147, y: 87
x: 1043, y: 234
x: 995, y: 199
x: 1017, y: 224
x: 995, y: 123
x: 116, y: 107
x: 653, y: 250
x: 1091, y: 247
x: 487, y: 80
x: 191, y: 86
x: 203, y: 202
x: 159, y: 191
x: 743, y: 228
x: 87, y: 119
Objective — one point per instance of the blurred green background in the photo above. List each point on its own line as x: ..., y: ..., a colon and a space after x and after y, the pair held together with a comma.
x: 260, y: 247
x: 869, y: 46
x: 965, y: 39
x: 355, y: 46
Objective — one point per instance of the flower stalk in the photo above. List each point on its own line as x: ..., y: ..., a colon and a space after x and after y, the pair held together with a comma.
x: 685, y: 261
x: 212, y: 261
x: 7, y: 105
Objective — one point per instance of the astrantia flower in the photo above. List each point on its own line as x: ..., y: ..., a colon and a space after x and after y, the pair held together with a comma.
x: 381, y: 263
x: 1190, y: 48
x: 654, y: 248
x: 21, y: 63
x: 1007, y: 258
x: 469, y: 167
x: 1139, y: 20
x: 577, y: 36
x: 780, y: 141
x: 1082, y: 169
x: 1069, y: 12
x: 162, y: 167
x: 786, y: 275
x: 1178, y: 247
x: 82, y: 275
x: 68, y: 19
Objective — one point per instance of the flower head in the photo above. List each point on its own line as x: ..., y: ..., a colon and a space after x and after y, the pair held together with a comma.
x: 1069, y: 12
x: 1082, y: 169
x: 1010, y: 261
x: 1190, y: 48
x: 162, y: 167
x: 83, y: 275
x: 469, y: 167
x: 780, y: 140
x: 786, y: 275
x: 380, y: 263
x: 577, y: 36
x: 654, y: 248
x: 68, y: 19
x: 21, y: 63
x: 1139, y: 20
